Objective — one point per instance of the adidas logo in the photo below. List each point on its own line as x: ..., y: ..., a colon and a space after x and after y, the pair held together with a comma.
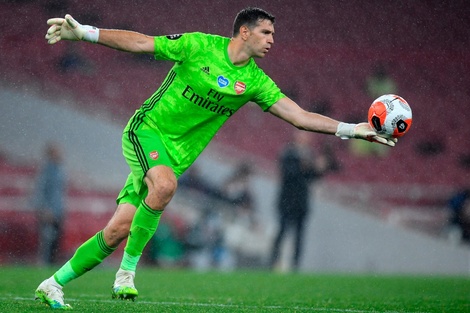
x: 205, y: 69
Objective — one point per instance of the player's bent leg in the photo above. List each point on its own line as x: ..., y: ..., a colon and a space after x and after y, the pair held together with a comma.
x: 161, y: 184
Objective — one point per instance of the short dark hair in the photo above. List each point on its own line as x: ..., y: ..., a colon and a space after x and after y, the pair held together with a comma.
x: 250, y: 17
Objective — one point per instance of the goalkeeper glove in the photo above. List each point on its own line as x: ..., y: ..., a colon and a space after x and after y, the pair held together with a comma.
x: 69, y: 29
x: 362, y: 131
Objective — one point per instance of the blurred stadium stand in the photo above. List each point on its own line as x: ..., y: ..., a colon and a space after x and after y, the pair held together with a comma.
x: 323, y: 49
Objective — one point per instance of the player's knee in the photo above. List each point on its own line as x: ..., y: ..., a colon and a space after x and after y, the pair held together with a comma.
x: 164, y: 190
x: 161, y: 191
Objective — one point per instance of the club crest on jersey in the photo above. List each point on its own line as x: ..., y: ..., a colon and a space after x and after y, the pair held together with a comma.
x: 239, y: 87
x: 154, y: 155
x: 222, y: 81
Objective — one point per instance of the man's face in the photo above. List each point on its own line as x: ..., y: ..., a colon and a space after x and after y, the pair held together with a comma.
x: 260, y: 39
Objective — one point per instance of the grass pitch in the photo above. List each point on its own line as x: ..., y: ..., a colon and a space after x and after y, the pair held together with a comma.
x: 189, y: 291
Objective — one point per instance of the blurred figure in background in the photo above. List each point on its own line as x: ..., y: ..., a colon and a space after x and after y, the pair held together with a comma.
x: 237, y: 191
x: 193, y: 179
x: 244, y: 234
x: 299, y: 167
x: 49, y: 202
x: 459, y: 222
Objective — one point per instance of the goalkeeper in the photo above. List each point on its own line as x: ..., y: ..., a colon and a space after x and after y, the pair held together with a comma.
x: 212, y: 78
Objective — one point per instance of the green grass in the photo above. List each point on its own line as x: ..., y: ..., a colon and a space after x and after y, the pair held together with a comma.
x: 189, y: 291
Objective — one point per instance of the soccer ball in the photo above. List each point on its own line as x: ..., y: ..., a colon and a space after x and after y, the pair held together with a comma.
x: 390, y: 116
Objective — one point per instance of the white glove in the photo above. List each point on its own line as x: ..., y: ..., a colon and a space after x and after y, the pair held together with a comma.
x: 69, y: 29
x: 362, y: 131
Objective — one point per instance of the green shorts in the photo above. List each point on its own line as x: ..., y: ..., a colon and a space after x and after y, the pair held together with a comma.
x: 142, y: 149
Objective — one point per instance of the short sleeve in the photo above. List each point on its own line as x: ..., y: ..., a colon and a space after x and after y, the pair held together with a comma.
x: 269, y: 93
x: 177, y: 47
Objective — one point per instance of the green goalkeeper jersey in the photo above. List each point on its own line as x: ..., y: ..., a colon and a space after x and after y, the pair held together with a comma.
x: 199, y: 94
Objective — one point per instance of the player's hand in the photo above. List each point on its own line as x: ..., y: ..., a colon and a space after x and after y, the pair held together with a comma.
x: 64, y: 28
x: 363, y: 131
x: 69, y: 29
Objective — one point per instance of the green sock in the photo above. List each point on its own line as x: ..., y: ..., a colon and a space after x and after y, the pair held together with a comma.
x: 143, y: 227
x: 65, y: 274
x: 129, y: 262
x: 88, y: 255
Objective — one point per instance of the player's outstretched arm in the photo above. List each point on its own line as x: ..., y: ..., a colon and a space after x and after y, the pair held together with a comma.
x: 289, y: 111
x: 69, y: 29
